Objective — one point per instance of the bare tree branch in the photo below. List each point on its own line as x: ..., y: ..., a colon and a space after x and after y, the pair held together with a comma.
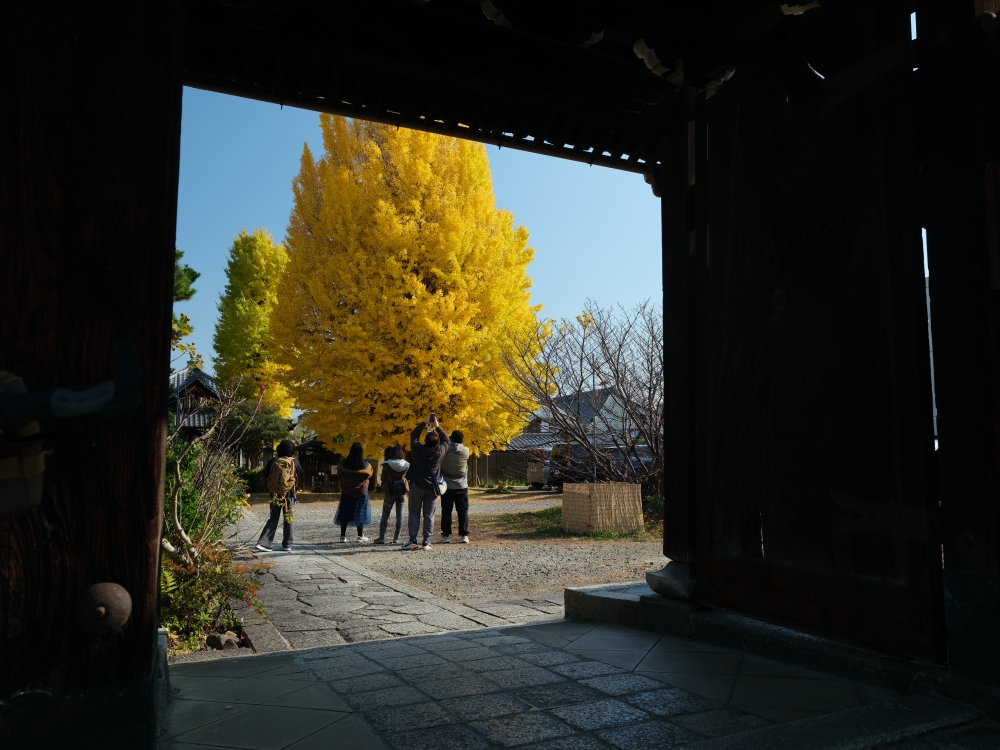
x: 597, y: 382
x: 217, y: 447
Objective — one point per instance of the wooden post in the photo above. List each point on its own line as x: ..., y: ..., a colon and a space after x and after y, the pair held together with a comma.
x: 675, y: 184
x: 90, y: 133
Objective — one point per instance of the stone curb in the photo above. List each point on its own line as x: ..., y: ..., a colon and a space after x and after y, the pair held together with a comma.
x: 617, y: 604
x: 860, y: 728
x: 266, y: 638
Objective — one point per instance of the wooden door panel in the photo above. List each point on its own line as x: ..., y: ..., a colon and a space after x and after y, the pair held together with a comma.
x: 848, y: 608
x: 821, y: 492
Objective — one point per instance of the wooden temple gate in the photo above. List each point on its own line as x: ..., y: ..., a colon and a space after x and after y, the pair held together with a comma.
x: 813, y: 479
x: 803, y: 486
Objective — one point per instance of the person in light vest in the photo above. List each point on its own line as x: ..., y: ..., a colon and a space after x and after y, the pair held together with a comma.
x: 455, y: 470
x: 282, y: 502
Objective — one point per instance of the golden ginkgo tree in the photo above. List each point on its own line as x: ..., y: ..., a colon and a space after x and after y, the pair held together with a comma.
x: 404, y: 281
x: 256, y: 264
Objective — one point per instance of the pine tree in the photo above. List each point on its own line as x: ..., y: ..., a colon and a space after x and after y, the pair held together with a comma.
x: 184, y: 277
x: 403, y: 282
x: 254, y: 270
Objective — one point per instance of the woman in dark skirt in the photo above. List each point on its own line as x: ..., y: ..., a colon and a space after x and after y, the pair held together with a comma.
x: 353, y: 509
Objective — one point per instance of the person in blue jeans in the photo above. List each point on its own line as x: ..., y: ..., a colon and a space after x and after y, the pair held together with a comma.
x: 396, y: 489
x: 355, y: 473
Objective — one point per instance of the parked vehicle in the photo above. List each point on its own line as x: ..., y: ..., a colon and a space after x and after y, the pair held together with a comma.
x: 538, y: 468
x: 569, y: 462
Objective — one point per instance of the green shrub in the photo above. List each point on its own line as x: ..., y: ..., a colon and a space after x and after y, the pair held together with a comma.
x: 195, y: 598
x: 652, y: 508
x: 502, y: 487
x: 199, y: 578
x: 251, y: 478
x: 499, y: 490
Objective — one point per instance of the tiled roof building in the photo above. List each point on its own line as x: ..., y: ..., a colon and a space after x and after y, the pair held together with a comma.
x: 190, y: 389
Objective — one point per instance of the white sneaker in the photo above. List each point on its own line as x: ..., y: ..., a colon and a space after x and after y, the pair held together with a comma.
x: 363, y: 539
x: 445, y: 540
x: 465, y: 540
x: 343, y: 539
x: 262, y: 548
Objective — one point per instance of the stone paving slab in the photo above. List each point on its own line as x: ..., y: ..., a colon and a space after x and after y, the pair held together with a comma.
x: 882, y: 725
x: 525, y: 687
x: 379, y: 664
x: 315, y: 598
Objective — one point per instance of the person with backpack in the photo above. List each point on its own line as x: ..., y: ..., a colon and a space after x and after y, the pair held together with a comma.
x: 426, y: 484
x: 455, y: 470
x: 396, y: 488
x: 282, y: 473
x: 353, y: 509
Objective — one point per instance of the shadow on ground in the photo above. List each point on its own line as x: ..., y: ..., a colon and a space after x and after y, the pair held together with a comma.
x: 563, y: 685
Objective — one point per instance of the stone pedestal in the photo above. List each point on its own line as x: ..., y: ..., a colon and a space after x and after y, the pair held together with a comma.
x: 674, y: 581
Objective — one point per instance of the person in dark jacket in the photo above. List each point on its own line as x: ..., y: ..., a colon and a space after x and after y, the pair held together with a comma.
x: 280, y: 505
x: 396, y: 490
x: 355, y: 473
x: 424, y: 475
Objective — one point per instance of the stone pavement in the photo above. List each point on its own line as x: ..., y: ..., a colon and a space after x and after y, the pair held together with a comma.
x: 315, y: 598
x: 567, y: 685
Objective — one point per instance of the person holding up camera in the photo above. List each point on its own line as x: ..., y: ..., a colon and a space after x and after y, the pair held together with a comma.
x: 424, y: 475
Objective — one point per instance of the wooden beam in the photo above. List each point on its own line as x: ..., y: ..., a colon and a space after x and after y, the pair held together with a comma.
x: 410, y: 45
x: 428, y: 125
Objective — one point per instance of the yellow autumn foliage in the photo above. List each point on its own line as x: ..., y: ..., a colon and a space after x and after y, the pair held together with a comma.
x: 253, y: 272
x: 404, y: 280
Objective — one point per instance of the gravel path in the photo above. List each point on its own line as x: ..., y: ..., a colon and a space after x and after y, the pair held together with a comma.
x: 493, y: 565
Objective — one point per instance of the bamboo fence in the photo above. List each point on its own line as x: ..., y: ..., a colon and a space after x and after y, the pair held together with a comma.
x: 611, y: 506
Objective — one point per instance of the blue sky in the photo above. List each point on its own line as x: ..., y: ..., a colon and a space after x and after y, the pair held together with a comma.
x: 596, y: 231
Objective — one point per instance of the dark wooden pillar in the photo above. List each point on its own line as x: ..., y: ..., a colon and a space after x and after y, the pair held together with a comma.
x: 676, y: 208
x: 957, y: 67
x: 89, y: 154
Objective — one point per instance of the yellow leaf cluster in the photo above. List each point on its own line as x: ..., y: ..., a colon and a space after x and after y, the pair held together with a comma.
x: 253, y: 273
x: 404, y: 281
